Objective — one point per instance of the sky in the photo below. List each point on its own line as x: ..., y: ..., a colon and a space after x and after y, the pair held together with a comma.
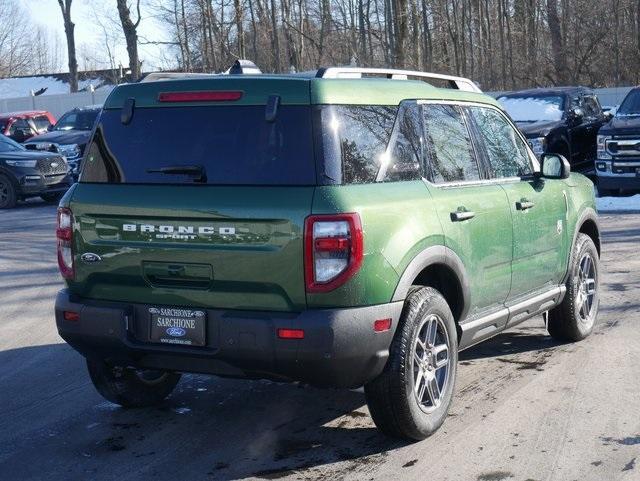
x: 89, y: 35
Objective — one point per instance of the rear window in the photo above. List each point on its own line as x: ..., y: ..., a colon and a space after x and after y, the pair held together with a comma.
x: 232, y: 145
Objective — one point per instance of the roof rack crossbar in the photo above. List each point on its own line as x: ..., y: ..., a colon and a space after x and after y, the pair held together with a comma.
x: 459, y: 83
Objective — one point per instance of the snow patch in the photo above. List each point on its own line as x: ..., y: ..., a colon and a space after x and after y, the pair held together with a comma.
x: 618, y: 204
x: 182, y: 410
x: 533, y: 108
x: 22, y: 87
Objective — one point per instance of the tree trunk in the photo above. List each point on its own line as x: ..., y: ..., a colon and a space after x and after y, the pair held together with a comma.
x: 130, y: 30
x: 69, y: 27
x: 557, y: 46
x: 239, y: 11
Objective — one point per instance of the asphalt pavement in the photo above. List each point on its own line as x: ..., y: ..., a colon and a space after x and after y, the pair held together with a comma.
x: 526, y: 407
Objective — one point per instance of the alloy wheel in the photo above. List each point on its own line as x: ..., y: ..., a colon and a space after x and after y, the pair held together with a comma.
x: 430, y: 363
x: 586, y: 288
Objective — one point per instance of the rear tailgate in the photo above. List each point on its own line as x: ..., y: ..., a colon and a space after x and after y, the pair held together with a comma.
x: 194, y: 193
x: 209, y: 246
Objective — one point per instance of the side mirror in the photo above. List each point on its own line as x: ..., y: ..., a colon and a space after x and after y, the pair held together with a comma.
x: 50, y: 127
x: 576, y: 115
x: 554, y: 166
x: 608, y: 115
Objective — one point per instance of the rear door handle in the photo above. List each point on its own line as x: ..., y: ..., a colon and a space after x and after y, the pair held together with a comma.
x: 524, y: 204
x: 462, y: 215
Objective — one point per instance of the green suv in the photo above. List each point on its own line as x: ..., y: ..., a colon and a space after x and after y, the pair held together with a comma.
x: 348, y: 227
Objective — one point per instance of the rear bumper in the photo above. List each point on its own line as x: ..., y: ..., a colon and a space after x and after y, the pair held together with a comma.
x: 339, y: 349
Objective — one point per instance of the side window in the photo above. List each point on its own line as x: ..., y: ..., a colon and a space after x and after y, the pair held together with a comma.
x: 41, y: 122
x: 360, y: 135
x: 576, y: 103
x: 403, y: 159
x: 506, y: 151
x: 19, y: 124
x: 449, y: 150
x: 591, y: 107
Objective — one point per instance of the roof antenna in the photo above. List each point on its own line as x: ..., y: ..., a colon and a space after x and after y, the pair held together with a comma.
x: 271, y: 109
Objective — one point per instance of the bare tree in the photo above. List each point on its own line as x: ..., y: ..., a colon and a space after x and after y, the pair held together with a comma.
x: 130, y: 30
x: 69, y: 27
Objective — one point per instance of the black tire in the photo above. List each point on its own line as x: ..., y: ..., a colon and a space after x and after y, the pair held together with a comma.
x: 568, y: 322
x: 129, y: 387
x: 8, y: 194
x: 392, y: 397
x: 52, y: 198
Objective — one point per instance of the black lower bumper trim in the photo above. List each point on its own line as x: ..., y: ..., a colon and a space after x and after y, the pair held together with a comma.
x: 613, y: 182
x: 339, y: 349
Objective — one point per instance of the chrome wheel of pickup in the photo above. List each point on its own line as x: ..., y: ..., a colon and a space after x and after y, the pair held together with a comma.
x: 430, y: 363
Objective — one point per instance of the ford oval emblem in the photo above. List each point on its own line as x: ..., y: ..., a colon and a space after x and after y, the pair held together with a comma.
x: 176, y: 332
x: 90, y: 257
x: 54, y: 164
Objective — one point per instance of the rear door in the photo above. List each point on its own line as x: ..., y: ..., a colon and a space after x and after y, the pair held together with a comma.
x: 537, y: 206
x: 473, y: 212
x: 211, y: 217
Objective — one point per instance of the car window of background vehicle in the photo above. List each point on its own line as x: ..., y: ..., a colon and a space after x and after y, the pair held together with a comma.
x: 630, y: 105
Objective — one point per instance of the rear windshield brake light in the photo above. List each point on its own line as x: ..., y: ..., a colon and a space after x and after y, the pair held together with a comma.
x: 201, y: 96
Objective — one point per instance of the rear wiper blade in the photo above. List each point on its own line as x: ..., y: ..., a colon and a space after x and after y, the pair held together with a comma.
x: 197, y: 171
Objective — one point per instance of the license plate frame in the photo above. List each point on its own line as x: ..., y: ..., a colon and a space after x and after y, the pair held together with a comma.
x: 177, y: 326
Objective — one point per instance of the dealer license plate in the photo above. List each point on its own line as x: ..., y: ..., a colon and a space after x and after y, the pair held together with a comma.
x: 178, y: 326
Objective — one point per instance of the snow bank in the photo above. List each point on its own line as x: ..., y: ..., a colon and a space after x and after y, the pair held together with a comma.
x: 618, y: 204
x: 22, y: 87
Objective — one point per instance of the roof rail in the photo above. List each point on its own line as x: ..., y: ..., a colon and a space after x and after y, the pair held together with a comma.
x: 159, y: 76
x: 459, y: 83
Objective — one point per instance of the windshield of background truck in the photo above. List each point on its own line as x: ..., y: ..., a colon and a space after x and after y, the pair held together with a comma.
x: 630, y: 105
x: 534, y: 108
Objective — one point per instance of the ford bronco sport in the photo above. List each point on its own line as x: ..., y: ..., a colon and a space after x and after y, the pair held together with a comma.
x: 336, y: 228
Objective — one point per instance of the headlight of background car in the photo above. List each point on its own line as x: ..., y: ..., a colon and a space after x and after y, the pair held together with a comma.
x: 22, y: 163
x: 602, y: 147
x: 69, y: 151
x: 538, y: 145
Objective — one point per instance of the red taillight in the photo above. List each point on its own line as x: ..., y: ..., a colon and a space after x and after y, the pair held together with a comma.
x: 333, y: 250
x: 64, y: 234
x: 290, y: 333
x: 201, y: 96
x: 71, y: 316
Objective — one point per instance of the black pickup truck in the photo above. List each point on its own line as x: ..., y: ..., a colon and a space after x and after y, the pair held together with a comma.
x: 618, y: 159
x: 562, y: 120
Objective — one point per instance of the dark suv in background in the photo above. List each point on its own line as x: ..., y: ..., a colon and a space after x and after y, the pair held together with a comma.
x: 562, y: 120
x: 69, y: 136
x: 618, y: 162
x: 26, y: 174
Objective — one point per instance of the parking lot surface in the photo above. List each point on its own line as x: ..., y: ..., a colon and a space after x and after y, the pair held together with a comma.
x: 526, y: 407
